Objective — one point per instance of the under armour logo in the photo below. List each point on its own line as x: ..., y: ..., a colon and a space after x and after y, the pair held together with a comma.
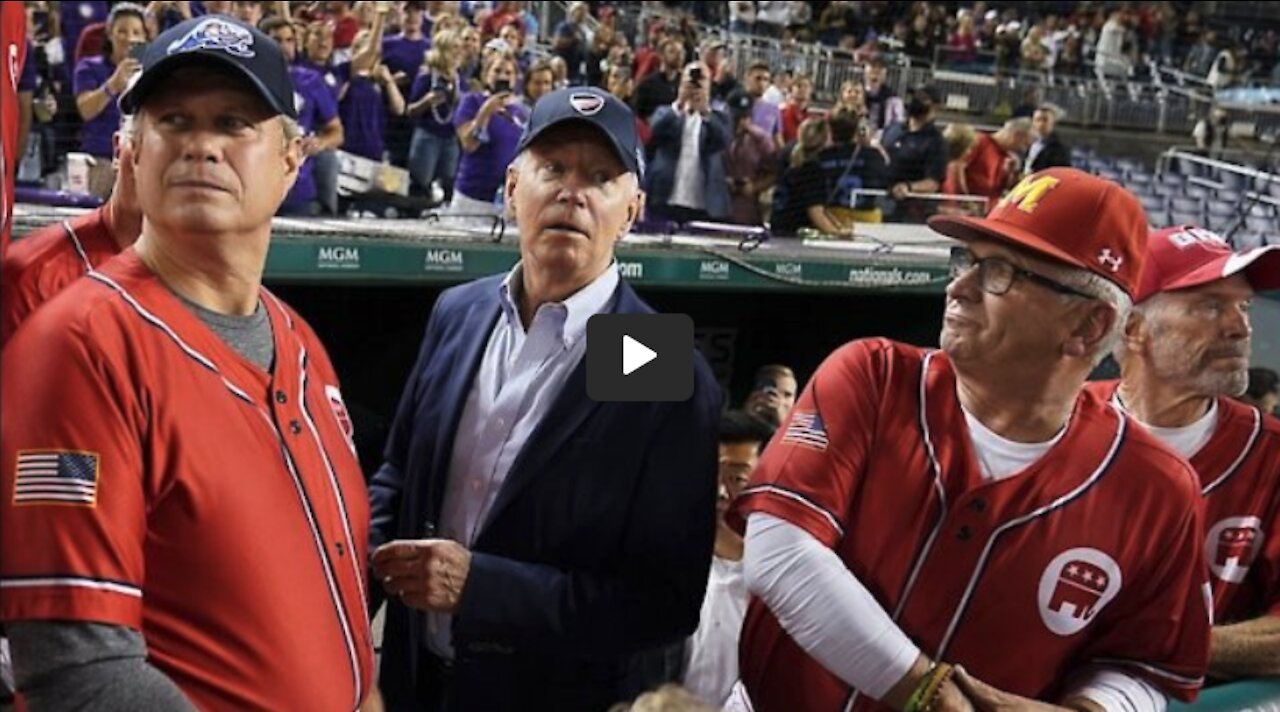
x: 1112, y: 261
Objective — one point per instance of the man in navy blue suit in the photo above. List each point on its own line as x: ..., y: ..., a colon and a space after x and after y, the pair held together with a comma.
x: 534, y: 544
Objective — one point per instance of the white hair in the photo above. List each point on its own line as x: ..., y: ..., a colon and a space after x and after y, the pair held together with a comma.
x: 1020, y: 125
x: 1101, y: 289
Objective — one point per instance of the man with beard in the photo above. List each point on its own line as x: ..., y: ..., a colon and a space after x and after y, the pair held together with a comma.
x: 1184, y: 356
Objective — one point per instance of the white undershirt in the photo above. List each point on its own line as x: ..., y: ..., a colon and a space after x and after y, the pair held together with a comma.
x: 711, y: 665
x: 999, y: 457
x: 1188, y: 439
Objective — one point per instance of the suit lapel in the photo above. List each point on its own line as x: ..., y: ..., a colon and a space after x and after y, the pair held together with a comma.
x: 482, y: 314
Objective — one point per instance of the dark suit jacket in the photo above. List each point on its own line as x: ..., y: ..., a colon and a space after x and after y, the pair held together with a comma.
x: 1055, y: 153
x: 596, y: 549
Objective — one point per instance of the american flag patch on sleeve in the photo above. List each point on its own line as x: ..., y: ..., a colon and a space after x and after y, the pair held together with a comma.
x: 806, y: 429
x: 56, y: 477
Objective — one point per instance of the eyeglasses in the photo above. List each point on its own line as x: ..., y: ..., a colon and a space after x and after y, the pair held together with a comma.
x: 997, y: 275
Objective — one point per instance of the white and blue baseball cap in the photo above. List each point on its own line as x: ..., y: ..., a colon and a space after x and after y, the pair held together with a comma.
x: 220, y: 41
x: 593, y: 106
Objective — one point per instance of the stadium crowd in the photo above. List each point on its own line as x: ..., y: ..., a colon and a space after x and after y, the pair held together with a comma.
x: 443, y: 89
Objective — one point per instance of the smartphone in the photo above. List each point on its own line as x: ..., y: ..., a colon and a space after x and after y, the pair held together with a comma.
x: 138, y: 51
x: 501, y: 86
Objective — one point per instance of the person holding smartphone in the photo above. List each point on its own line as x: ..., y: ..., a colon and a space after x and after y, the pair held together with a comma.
x: 489, y: 123
x: 100, y: 80
x: 686, y: 181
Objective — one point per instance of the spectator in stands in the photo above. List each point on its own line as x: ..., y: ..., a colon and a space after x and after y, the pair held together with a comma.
x: 711, y: 653
x: 780, y: 87
x: 962, y: 45
x: 489, y: 123
x: 773, y: 393
x: 788, y: 213
x: 993, y: 165
x: 70, y: 21
x: 685, y: 180
x: 648, y: 55
x: 660, y: 87
x: 317, y: 108
x: 1109, y: 58
x: 715, y: 54
x: 250, y: 12
x: 99, y: 80
x: 403, y: 53
x: 763, y: 114
x: 503, y: 12
x: 434, y: 151
x: 749, y: 162
x: 960, y: 139
x: 821, y: 190
x: 470, y: 67
x: 918, y: 156
x: 366, y: 100
x: 619, y: 83
x: 1034, y: 52
x: 1048, y: 150
x: 1211, y: 132
x: 883, y: 106
x: 797, y: 108
x: 570, y: 44
x: 163, y: 14
x: 742, y: 18
x: 1201, y: 56
x: 344, y: 21
x: 853, y: 98
x: 1228, y: 67
x: 919, y: 40
x: 772, y: 17
x: 537, y: 82
x: 1263, y: 391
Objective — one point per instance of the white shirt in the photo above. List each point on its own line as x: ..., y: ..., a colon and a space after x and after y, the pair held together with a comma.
x: 520, y: 376
x: 713, y: 649
x: 999, y: 457
x: 690, y: 186
x: 773, y: 12
x: 1188, y: 439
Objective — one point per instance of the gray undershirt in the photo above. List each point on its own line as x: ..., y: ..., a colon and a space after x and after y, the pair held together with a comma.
x: 249, y: 335
x: 75, y: 665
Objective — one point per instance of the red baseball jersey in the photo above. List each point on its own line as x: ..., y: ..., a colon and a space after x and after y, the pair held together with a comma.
x: 13, y: 51
x: 47, y: 261
x: 1239, y: 471
x: 1091, y: 556
x: 157, y: 479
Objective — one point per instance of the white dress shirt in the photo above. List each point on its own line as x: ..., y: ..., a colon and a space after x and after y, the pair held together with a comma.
x: 520, y: 377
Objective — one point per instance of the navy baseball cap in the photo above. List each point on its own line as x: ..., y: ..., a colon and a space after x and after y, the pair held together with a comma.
x: 216, y: 40
x: 595, y: 107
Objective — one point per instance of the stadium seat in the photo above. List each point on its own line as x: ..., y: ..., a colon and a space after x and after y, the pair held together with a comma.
x: 1177, y: 217
x: 1186, y: 205
x: 1222, y: 207
x: 1260, y: 224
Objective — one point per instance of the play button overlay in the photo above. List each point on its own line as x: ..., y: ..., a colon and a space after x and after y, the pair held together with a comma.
x: 640, y: 357
x: 635, y: 355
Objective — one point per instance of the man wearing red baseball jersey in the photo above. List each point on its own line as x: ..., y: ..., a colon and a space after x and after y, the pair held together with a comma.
x: 48, y: 260
x: 963, y: 507
x: 1184, y: 355
x: 183, y: 521
x: 13, y: 44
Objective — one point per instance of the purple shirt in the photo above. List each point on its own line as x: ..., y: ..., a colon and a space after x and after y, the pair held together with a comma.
x: 404, y: 55
x: 767, y: 116
x: 95, y: 134
x: 332, y: 75
x: 364, y: 117
x: 481, y: 171
x: 316, y: 107
x: 437, y: 120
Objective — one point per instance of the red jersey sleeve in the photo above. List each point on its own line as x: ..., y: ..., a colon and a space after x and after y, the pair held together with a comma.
x: 811, y: 468
x: 72, y: 494
x: 1163, y: 636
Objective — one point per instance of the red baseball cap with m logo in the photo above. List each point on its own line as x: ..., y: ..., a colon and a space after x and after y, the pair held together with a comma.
x: 1068, y: 216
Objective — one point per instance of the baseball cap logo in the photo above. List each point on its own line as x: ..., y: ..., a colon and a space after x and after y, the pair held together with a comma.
x: 1110, y: 260
x: 215, y: 34
x: 1028, y: 193
x: 586, y: 104
x: 1190, y: 236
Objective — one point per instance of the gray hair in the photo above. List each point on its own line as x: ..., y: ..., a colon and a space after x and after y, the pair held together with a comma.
x: 1020, y: 125
x: 1101, y: 289
x: 1149, y: 310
